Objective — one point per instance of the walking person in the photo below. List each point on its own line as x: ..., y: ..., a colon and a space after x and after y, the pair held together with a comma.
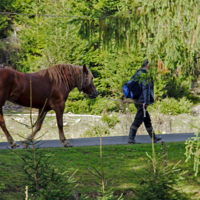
x: 144, y: 100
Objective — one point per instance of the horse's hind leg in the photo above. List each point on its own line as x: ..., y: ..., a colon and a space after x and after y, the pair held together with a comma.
x: 12, y: 143
x: 59, y: 116
x: 41, y: 117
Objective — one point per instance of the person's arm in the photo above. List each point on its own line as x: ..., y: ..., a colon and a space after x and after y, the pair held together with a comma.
x: 146, y: 92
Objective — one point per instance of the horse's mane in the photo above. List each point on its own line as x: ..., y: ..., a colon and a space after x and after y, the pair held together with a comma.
x: 70, y: 75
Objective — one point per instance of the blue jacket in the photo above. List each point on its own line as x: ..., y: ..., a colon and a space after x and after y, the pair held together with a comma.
x: 147, y: 94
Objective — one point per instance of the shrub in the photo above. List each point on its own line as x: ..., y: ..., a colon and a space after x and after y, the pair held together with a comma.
x: 96, y: 131
x: 175, y: 107
x: 160, y: 88
x: 78, y: 106
x: 111, y: 120
x: 78, y: 103
x: 178, y: 88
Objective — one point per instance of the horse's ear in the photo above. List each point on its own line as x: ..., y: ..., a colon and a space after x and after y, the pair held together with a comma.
x: 85, y: 69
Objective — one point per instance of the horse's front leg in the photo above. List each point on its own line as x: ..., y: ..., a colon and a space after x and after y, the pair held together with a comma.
x: 59, y: 116
x: 12, y: 143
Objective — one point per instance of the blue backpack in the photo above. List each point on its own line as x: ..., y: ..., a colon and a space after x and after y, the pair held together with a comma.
x: 132, y: 88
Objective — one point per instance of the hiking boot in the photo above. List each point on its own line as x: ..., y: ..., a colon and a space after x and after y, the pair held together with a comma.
x: 157, y: 138
x: 152, y: 133
x: 131, y: 141
x: 132, y: 134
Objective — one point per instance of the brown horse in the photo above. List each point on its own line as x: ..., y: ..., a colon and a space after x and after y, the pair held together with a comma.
x: 52, y: 85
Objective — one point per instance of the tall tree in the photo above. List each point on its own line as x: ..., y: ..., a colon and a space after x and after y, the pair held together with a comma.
x: 156, y: 27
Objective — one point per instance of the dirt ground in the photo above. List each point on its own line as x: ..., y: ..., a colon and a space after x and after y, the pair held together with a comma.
x: 76, y: 126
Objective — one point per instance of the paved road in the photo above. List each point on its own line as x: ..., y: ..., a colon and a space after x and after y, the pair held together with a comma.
x: 178, y: 137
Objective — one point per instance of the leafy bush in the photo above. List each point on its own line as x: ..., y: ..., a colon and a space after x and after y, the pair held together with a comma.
x: 78, y: 106
x: 102, y: 130
x: 175, y: 107
x: 78, y: 103
x: 96, y: 131
x: 178, y: 88
x: 101, y: 104
x: 111, y: 120
x: 160, y: 90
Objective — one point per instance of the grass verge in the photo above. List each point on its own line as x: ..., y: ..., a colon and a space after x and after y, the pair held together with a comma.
x: 118, y: 163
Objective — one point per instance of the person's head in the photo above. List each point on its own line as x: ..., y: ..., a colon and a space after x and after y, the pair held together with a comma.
x: 145, y: 64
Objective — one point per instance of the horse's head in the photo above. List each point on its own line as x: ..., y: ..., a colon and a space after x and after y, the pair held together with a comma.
x: 87, y: 85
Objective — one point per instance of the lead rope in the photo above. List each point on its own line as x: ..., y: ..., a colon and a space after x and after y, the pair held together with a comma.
x: 114, y: 99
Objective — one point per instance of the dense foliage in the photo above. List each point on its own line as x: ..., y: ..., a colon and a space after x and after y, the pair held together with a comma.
x: 154, y: 27
x: 113, y: 47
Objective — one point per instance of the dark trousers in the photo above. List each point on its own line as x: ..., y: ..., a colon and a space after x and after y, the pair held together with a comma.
x: 139, y: 118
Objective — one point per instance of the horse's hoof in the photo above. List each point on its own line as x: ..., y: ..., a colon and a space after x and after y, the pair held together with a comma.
x: 67, y: 144
x: 14, y: 145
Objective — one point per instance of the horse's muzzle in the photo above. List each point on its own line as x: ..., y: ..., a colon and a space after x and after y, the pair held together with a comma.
x: 94, y: 95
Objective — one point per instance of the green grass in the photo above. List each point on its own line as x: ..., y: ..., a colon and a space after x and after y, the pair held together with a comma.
x: 118, y: 162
